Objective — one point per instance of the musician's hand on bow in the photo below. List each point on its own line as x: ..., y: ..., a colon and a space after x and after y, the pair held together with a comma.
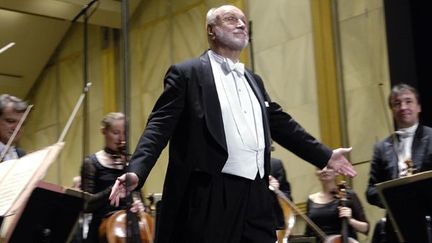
x: 118, y: 191
x: 339, y: 163
x: 273, y: 183
x: 345, y: 212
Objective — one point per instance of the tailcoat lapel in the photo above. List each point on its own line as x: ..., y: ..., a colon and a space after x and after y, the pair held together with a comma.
x: 210, y: 101
x: 261, y: 99
x: 419, y: 148
x: 259, y: 92
x: 391, y: 158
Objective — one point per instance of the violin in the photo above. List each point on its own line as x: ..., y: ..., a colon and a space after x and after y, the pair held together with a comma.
x: 113, y: 229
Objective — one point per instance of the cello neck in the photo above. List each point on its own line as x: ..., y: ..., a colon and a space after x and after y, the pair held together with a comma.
x: 344, y: 230
x: 342, y: 195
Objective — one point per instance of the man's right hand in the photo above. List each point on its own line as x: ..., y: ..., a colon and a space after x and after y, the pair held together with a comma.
x: 339, y: 163
x: 119, y: 189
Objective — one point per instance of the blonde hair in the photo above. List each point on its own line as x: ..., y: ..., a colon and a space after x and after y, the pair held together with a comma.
x: 109, y: 119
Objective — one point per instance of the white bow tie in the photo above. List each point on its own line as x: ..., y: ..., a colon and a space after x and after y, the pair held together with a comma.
x: 404, y: 133
x: 236, y: 67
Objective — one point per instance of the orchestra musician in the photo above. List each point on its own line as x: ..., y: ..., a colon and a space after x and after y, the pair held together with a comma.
x: 11, y: 111
x: 326, y: 210
x: 406, y: 151
x: 219, y: 121
x: 278, y: 180
x: 282, y: 214
x: 101, y: 169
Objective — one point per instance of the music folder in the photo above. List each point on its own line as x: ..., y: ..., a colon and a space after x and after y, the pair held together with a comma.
x: 49, y: 215
x: 18, y: 179
x: 408, y: 201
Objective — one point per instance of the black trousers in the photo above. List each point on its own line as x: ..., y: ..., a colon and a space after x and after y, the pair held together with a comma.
x: 226, y: 209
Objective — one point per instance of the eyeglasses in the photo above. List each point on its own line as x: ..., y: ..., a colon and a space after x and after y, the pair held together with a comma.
x: 233, y: 19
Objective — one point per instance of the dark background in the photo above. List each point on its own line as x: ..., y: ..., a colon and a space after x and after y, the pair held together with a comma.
x: 408, y: 24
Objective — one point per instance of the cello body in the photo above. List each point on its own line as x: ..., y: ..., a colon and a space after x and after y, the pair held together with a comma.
x: 339, y: 239
x: 289, y: 219
x: 113, y: 229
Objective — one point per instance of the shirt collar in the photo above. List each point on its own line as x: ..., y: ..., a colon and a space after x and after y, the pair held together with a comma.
x: 227, y: 64
x: 408, y: 131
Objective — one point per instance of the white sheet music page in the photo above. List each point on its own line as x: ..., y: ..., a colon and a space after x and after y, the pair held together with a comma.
x: 18, y: 177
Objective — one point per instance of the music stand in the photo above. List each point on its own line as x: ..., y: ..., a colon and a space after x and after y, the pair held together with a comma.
x: 408, y: 201
x: 49, y: 215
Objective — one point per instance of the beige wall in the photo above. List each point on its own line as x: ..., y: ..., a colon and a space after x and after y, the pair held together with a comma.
x: 284, y: 57
x: 54, y: 97
x: 366, y: 82
x: 164, y: 32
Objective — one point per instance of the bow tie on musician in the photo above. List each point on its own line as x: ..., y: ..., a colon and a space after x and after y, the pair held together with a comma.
x: 98, y: 173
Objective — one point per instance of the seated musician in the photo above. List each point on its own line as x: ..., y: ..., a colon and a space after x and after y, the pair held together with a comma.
x: 278, y: 180
x: 11, y: 111
x: 406, y: 151
x: 324, y: 208
x: 100, y: 170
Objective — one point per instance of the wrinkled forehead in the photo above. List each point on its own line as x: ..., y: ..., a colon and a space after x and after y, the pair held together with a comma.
x: 8, y: 109
x: 11, y: 115
x: 227, y: 10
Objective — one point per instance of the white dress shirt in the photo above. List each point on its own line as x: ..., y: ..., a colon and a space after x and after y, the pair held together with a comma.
x: 242, y: 118
x: 405, y: 138
x: 11, y: 154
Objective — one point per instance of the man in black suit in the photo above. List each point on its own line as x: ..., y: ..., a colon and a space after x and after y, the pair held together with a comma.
x: 408, y: 149
x: 11, y: 111
x: 220, y: 122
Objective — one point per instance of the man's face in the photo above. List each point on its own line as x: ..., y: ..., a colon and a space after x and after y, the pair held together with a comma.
x: 8, y: 122
x: 231, y: 29
x: 406, y: 109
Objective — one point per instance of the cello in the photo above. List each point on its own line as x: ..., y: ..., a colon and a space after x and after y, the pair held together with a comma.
x: 113, y: 229
x: 284, y: 201
x: 124, y: 226
x: 341, y: 194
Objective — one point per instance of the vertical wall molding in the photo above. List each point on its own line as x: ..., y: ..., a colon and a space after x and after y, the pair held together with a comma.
x: 328, y: 88
x: 109, y: 72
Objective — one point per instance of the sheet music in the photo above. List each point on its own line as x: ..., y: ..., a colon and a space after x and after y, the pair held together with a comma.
x: 19, y: 176
x: 4, y: 168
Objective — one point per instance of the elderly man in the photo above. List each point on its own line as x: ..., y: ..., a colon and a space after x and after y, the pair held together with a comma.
x: 220, y: 123
x: 11, y: 111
